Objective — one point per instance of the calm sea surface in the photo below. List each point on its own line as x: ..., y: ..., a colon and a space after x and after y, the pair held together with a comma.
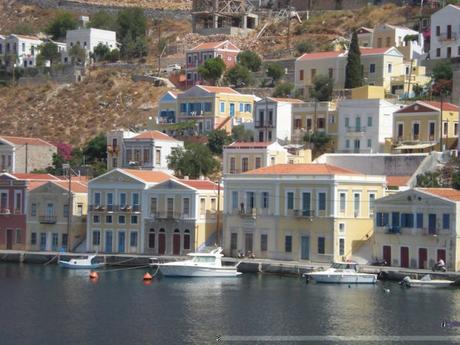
x: 48, y: 305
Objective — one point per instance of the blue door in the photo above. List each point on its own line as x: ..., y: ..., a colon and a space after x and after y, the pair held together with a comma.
x: 305, y: 248
x: 121, y: 242
x: 108, y: 242
x: 232, y: 109
x: 432, y: 224
x: 43, y: 241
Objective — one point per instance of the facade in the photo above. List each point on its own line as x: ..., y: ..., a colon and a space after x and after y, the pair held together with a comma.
x: 403, y: 85
x: 273, y: 118
x: 212, y: 107
x: 445, y: 33
x: 48, y: 225
x: 12, y: 212
x: 146, y: 150
x: 181, y: 216
x: 115, y: 220
x: 19, y: 50
x: 21, y: 155
x: 365, y: 123
x: 198, y: 55
x: 365, y: 37
x: 421, y: 127
x: 379, y: 66
x: 314, y: 212
x: 417, y: 227
x: 167, y: 108
x: 314, y: 117
x: 409, y: 42
x: 89, y: 39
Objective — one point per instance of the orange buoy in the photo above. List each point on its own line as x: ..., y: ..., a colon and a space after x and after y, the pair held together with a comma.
x: 93, y: 275
x: 148, y: 276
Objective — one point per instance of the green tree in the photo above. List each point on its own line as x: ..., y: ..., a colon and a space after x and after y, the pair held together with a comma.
x: 240, y: 133
x: 353, y: 71
x: 48, y: 51
x: 103, y: 20
x: 24, y: 29
x: 322, y: 88
x: 101, y: 52
x: 430, y: 179
x: 61, y: 24
x: 419, y: 90
x: 250, y: 60
x: 217, y: 139
x: 239, y: 76
x: 77, y: 54
x: 114, y: 55
x: 319, y: 142
x: 131, y: 30
x: 194, y: 161
x: 442, y: 78
x: 304, y: 47
x: 96, y: 149
x: 283, y: 90
x: 212, y: 70
x: 275, y: 71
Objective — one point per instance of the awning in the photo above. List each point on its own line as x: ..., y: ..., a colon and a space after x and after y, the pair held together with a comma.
x: 415, y: 146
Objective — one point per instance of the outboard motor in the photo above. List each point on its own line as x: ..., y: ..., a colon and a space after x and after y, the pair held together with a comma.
x: 405, y: 282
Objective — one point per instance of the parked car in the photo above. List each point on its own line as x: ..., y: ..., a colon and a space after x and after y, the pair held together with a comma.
x: 172, y: 68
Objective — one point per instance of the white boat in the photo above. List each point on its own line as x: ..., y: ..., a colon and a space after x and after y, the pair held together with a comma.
x: 81, y: 263
x: 342, y: 273
x: 200, y: 265
x: 426, y: 281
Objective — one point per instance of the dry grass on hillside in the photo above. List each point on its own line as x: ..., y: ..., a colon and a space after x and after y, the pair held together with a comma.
x: 160, y: 4
x: 75, y: 113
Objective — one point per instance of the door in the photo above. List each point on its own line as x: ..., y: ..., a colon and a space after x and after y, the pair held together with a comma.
x: 405, y: 257
x: 9, y: 239
x: 248, y: 242
x: 358, y: 124
x: 441, y: 254
x: 161, y: 243
x: 176, y: 243
x: 432, y: 223
x: 108, y: 242
x: 387, y: 254
x: 356, y: 145
x: 43, y: 241
x: 305, y: 248
x: 232, y: 109
x: 422, y: 257
x: 121, y: 241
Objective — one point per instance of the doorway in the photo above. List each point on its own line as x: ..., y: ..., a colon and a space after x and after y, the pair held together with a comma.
x: 108, y: 242
x: 305, y: 248
x: 248, y: 242
x: 9, y: 239
x: 387, y: 254
x: 422, y: 257
x: 121, y: 241
x: 176, y: 242
x: 405, y: 257
x: 161, y: 242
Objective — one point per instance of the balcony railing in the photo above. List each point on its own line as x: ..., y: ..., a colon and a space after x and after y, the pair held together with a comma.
x: 47, y: 219
x: 264, y: 124
x: 114, y: 208
x: 448, y: 36
x: 304, y: 213
x: 394, y: 229
x: 5, y: 211
x: 430, y: 231
x: 248, y: 213
x: 170, y: 216
x: 356, y: 129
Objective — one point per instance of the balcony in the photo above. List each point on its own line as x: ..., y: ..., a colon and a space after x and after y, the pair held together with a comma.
x: 248, y: 213
x: 394, y: 230
x: 356, y: 130
x: 176, y: 216
x: 5, y: 211
x: 47, y: 219
x: 430, y: 231
x: 114, y: 149
x: 446, y: 36
x: 304, y: 213
x: 264, y: 124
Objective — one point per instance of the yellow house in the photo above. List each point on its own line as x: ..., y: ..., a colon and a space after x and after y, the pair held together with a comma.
x: 417, y: 227
x: 403, y: 85
x: 420, y: 127
x: 315, y: 212
x: 311, y: 117
x: 182, y: 216
x: 212, y: 107
x: 51, y: 223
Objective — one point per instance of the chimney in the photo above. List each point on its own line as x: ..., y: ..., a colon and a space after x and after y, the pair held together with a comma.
x: 186, y: 178
x: 83, y: 21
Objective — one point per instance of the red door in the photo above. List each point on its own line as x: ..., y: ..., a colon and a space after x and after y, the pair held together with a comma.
x: 176, y: 244
x: 422, y: 257
x: 161, y: 243
x: 404, y: 257
x: 9, y: 239
x: 441, y: 255
x: 387, y: 254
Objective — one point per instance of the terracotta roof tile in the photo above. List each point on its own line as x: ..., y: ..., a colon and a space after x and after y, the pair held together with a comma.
x: 321, y: 55
x: 76, y: 186
x: 34, y: 184
x: 301, y: 169
x: 148, y: 175
x: 445, y: 105
x: 286, y: 100
x: 218, y: 89
x: 447, y: 193
x: 212, y: 45
x: 249, y: 145
x: 397, y: 181
x: 35, y: 177
x: 24, y: 140
x: 153, y: 135
x: 372, y: 51
x: 200, y: 184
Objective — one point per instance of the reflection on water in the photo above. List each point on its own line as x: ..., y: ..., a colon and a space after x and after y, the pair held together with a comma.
x: 120, y: 309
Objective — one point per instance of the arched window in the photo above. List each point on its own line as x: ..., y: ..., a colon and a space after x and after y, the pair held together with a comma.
x: 186, y: 239
x: 176, y: 231
x: 162, y: 230
x: 152, y: 238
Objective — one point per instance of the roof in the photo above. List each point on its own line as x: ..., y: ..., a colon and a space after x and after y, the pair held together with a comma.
x: 286, y: 100
x: 76, y: 186
x: 148, y: 175
x: 415, y: 146
x: 35, y: 177
x: 321, y: 55
x: 374, y: 51
x: 27, y: 37
x: 445, y: 105
x: 447, y: 193
x: 218, y: 89
x: 35, y: 184
x: 25, y: 140
x: 213, y: 45
x: 157, y: 135
x: 301, y: 169
x: 200, y: 184
x: 398, y: 181
x: 434, y: 106
x: 249, y: 145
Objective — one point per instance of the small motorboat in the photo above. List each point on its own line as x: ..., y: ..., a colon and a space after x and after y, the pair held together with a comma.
x: 87, y: 263
x: 200, y: 265
x: 426, y: 281
x: 341, y: 273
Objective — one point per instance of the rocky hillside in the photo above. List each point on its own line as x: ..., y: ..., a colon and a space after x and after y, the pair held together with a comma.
x: 75, y: 113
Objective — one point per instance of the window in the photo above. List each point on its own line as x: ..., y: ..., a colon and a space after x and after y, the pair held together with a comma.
x: 343, y: 197
x: 312, y: 74
x: 446, y: 221
x: 64, y: 240
x: 122, y: 199
x: 419, y: 221
x: 133, y: 239
x: 234, y: 200
x: 263, y: 242
x: 247, y: 108
x: 202, y: 206
x: 241, y: 107
x: 347, y: 143
x: 146, y: 155
x: 341, y: 246
x: 290, y: 200
x: 33, y: 210
x: 121, y: 219
x: 445, y: 128
x: 407, y: 220
x: 438, y: 30
x: 96, y: 219
x: 371, y: 203
x: 382, y: 219
x: 301, y: 74
x: 369, y: 143
x: 390, y: 68
x: 170, y: 207
x: 258, y: 163
x: 108, y: 219
x: 33, y: 238
x: 157, y: 156
x: 449, y: 52
x: 133, y: 219
x: 18, y: 235
x: 186, y: 239
x: 395, y: 219
x: 306, y: 204
x: 152, y: 238
x: 321, y: 245
x: 245, y: 164
x: 222, y: 107
x: 372, y: 68
x: 288, y: 244
x: 331, y: 73
x: 213, y: 204
x: 347, y: 122
x: 135, y: 201
x: 97, y: 198
x: 388, y: 41
x: 356, y: 203
x: 233, y: 241
x: 207, y: 107
x: 415, y: 130
x: 109, y: 201
x: 66, y: 211
x: 232, y: 165
x: 431, y: 130
x: 322, y: 201
x: 455, y: 129
x: 153, y: 205
x: 369, y: 121
x: 250, y: 201
x: 186, y: 206
x: 264, y: 200
x: 54, y: 240
x: 96, y: 238
x: 438, y: 52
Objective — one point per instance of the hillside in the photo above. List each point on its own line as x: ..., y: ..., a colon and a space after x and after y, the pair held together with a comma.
x: 158, y: 4
x: 73, y: 114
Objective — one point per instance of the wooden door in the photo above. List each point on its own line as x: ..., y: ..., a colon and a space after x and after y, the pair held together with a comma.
x: 176, y: 244
x: 9, y: 239
x: 387, y: 254
x: 422, y: 257
x: 161, y: 243
x: 404, y: 256
x: 441, y: 255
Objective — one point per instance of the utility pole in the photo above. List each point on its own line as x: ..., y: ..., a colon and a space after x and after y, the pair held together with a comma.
x: 218, y: 213
x: 69, y: 208
x: 27, y: 157
x: 410, y: 78
x: 441, y: 125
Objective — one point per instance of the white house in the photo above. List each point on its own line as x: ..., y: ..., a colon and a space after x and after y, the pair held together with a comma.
x: 273, y: 118
x: 364, y: 124
x: 24, y: 48
x: 90, y: 39
x: 445, y: 33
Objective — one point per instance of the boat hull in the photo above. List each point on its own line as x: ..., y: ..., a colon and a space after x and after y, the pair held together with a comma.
x: 343, y: 278
x: 197, y: 271
x: 65, y: 264
x: 430, y: 284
